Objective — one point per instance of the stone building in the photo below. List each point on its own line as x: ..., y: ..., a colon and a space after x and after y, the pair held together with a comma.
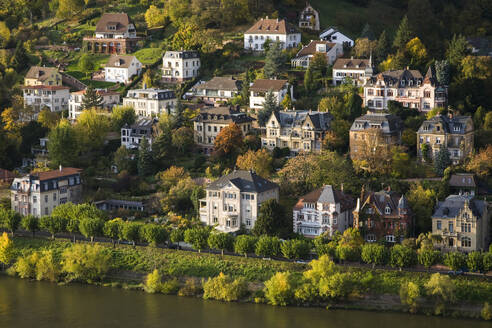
x: 300, y: 131
x: 323, y: 211
x: 47, y: 76
x: 210, y: 121
x: 115, y: 34
x: 456, y: 133
x: 234, y: 200
x: 383, y: 215
x: 39, y: 193
x: 463, y: 223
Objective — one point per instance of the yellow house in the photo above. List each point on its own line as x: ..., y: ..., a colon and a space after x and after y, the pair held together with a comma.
x: 48, y: 76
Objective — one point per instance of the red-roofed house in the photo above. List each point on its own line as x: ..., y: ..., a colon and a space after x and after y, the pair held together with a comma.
x: 274, y: 30
x: 331, y: 51
x: 53, y: 97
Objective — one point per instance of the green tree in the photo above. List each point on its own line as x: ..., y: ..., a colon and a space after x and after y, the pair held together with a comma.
x: 154, y: 17
x: 220, y: 240
x: 30, y: 223
x: 53, y: 224
x: 402, y: 257
x: 279, y: 290
x: 224, y: 288
x: 86, y: 64
x: 269, y: 106
x: 131, y: 232
x: 273, y: 61
x: 154, y: 234
x: 197, y: 237
x: 10, y: 219
x: 112, y: 229
x: 91, y: 130
x: 455, y: 260
x: 182, y: 139
x: 177, y: 236
x: 457, y: 50
x: 245, y: 244
x: 383, y: 47
x: 374, y: 254
x: 47, y: 266
x: 474, y: 261
x: 69, y: 8
x: 267, y: 246
x: 309, y: 83
x: 91, y: 98
x: 428, y: 257
x: 144, y: 164
x: 86, y: 262
x: 409, y: 294
x: 7, y: 250
x: 153, y: 282
x: 295, y: 249
x: 442, y: 72
x: 63, y: 145
x: 487, y: 261
x: 486, y: 311
x: 403, y: 34
x: 442, y: 289
x: 442, y: 161
x: 90, y: 227
x: 121, y: 116
x: 272, y: 220
x: 421, y: 201
x: 261, y: 161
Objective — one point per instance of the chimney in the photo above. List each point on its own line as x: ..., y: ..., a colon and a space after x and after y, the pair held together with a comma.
x: 60, y: 168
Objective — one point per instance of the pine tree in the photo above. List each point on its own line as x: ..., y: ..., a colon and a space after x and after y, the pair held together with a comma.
x: 382, y: 48
x: 19, y: 60
x: 403, y: 34
x: 442, y: 72
x: 269, y: 106
x: 144, y: 158
x: 367, y: 32
x: 91, y: 98
x: 442, y: 161
x: 308, y: 81
x: 273, y: 61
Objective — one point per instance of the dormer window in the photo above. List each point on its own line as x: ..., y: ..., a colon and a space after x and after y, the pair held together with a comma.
x: 387, y: 210
x: 402, y: 83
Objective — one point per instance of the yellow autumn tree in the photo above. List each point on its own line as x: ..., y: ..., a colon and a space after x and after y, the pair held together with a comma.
x: 7, y: 251
x: 259, y: 161
x: 154, y: 17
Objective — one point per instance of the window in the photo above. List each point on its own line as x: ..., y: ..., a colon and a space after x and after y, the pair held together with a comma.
x: 390, y: 238
x: 438, y: 225
x: 466, y: 227
x: 34, y: 199
x: 371, y: 238
x: 54, y: 197
x: 46, y: 211
x: 248, y: 222
x: 465, y: 242
x: 370, y: 92
x: 45, y: 198
x: 387, y: 210
x: 451, y: 227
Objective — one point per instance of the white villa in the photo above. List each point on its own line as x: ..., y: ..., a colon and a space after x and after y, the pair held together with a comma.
x: 259, y: 89
x: 332, y: 34
x: 180, y: 65
x: 121, y: 68
x: 357, y: 70
x: 151, y: 102
x: 331, y: 51
x: 274, y: 30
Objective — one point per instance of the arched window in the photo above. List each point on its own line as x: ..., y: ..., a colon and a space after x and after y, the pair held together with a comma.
x: 465, y: 242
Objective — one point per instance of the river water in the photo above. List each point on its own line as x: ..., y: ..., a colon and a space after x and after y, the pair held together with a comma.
x: 26, y: 304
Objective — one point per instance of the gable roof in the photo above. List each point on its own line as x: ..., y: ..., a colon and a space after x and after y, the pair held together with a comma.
x: 310, y: 49
x: 263, y: 85
x: 222, y: 115
x: 327, y: 194
x: 388, y: 123
x: 221, y: 83
x: 246, y: 181
x: 64, y: 171
x: 454, y: 125
x: 6, y: 175
x: 462, y: 180
x: 272, y: 26
x: 352, y: 63
x: 41, y: 73
x: 120, y: 20
x: 383, y: 199
x: 120, y: 61
x: 327, y: 33
x: 320, y: 120
x: 453, y: 204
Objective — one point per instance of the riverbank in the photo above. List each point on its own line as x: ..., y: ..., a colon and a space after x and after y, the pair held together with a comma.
x: 375, y: 290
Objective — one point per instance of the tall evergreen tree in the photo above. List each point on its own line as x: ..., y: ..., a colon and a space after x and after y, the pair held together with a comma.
x: 367, y: 32
x: 269, y: 106
x: 144, y: 164
x: 442, y: 161
x: 382, y: 49
x: 91, y: 98
x: 273, y: 60
x: 457, y: 50
x: 403, y: 34
x: 309, y: 84
x: 442, y: 72
x: 272, y: 220
x: 19, y: 60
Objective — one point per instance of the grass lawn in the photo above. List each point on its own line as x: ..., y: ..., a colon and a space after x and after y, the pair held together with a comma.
x: 148, y: 56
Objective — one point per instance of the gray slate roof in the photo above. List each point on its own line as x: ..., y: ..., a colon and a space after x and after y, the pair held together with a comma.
x: 246, y: 181
x: 321, y: 120
x: 221, y: 83
x: 224, y: 115
x: 462, y: 180
x: 388, y: 123
x: 451, y: 206
x: 398, y: 78
x: 455, y: 124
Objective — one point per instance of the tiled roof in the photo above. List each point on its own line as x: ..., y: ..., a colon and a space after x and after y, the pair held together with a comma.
x: 320, y: 120
x: 272, y: 26
x: 224, y: 115
x: 41, y: 73
x: 120, y: 61
x: 327, y: 194
x: 310, y: 49
x: 64, y: 171
x: 45, y: 87
x: 6, y: 174
x: 351, y: 63
x: 246, y: 181
x: 262, y: 85
x: 399, y: 78
x: 120, y: 20
x: 454, y: 125
x: 99, y: 92
x: 462, y: 180
x: 388, y: 123
x: 383, y: 199
x: 220, y: 83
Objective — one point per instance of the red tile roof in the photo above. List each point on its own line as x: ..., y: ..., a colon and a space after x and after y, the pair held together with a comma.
x: 272, y: 26
x: 45, y: 87
x: 267, y: 85
x: 64, y: 171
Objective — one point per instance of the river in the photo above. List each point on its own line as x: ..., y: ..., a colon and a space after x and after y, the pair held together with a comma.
x: 26, y: 304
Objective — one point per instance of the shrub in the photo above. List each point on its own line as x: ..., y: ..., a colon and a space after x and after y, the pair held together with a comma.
x: 153, y: 282
x: 321, y: 268
x: 221, y: 240
x: 374, y: 254
x: 192, y: 287
x: 224, y: 288
x: 409, y: 293
x: 245, y: 244
x: 86, y: 262
x: 402, y: 257
x: 339, y: 285
x: 25, y: 266
x: 306, y: 292
x: 170, y: 287
x: 474, y: 261
x: 455, y: 260
x: 154, y: 234
x: 295, y: 249
x: 348, y: 253
x: 442, y: 289
x: 279, y: 290
x: 47, y: 267
x: 267, y: 246
x: 486, y: 311
x: 487, y: 261
x: 428, y: 257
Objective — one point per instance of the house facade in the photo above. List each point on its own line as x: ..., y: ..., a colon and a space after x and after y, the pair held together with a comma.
x: 331, y: 51
x: 463, y: 223
x: 178, y: 66
x: 47, y: 76
x: 273, y: 30
x: 151, y: 102
x: 323, y: 212
x: 39, y: 193
x: 109, y: 100
x: 132, y: 135
x: 407, y: 87
x: 234, y: 200
x: 300, y: 131
x: 309, y: 18
x: 54, y: 97
x: 357, y: 70
x: 374, y: 130
x: 121, y: 69
x: 456, y: 133
x: 115, y: 34
x: 210, y: 121
x: 218, y: 89
x: 383, y: 215
x: 332, y: 34
x: 259, y: 89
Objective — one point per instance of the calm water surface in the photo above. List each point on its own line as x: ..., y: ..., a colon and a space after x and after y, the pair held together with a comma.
x: 40, y: 304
